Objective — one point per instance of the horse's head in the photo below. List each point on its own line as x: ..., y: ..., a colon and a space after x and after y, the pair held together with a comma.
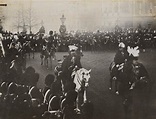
x: 85, y: 76
x: 81, y: 78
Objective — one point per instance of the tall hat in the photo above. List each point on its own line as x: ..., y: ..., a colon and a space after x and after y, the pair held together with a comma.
x: 133, y: 51
x: 121, y: 45
x: 72, y: 48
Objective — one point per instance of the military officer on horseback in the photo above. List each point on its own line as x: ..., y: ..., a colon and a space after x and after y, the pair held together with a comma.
x: 134, y: 87
x: 121, y: 55
x: 50, y: 40
x: 70, y: 62
x: 116, y: 66
x: 139, y: 75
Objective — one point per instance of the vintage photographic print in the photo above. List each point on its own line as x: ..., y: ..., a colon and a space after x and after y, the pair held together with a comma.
x: 77, y: 59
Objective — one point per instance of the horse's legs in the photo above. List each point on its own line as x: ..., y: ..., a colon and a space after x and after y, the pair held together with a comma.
x: 116, y: 87
x: 29, y: 54
x: 33, y: 54
x: 62, y: 86
x: 84, y: 96
x: 41, y: 61
x: 46, y: 62
x: 24, y: 64
x: 111, y: 81
x: 78, y: 102
x: 50, y: 58
x: 41, y: 56
x: 54, y: 56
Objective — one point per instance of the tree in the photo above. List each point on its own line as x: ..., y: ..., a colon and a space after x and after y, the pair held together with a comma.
x: 25, y: 19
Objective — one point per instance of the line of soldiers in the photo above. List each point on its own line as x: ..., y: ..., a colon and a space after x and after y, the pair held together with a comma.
x: 22, y: 99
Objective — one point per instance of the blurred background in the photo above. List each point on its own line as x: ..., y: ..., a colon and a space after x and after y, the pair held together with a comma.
x: 80, y: 15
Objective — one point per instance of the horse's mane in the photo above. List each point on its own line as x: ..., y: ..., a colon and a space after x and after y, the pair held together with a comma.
x: 78, y: 71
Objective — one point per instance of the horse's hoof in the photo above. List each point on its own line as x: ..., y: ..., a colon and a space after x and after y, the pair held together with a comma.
x: 114, y: 78
x: 117, y: 92
x: 78, y: 111
x: 125, y: 102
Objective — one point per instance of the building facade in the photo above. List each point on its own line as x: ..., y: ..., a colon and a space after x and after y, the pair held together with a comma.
x: 2, y: 14
x: 128, y: 13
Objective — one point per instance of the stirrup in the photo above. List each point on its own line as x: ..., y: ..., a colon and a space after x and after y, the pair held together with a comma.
x: 110, y: 88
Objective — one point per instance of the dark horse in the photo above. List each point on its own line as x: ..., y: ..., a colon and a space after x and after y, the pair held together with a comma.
x: 133, y: 87
x: 115, y: 72
x: 29, y: 48
x: 46, y: 55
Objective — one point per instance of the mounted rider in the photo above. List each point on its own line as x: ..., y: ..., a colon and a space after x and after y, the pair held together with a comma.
x: 121, y: 55
x: 70, y: 62
x: 120, y: 59
x: 50, y: 40
x: 139, y: 75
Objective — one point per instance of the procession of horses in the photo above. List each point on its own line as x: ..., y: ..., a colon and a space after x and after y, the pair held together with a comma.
x: 65, y: 93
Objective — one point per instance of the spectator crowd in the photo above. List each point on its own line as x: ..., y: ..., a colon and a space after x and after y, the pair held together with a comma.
x: 20, y: 98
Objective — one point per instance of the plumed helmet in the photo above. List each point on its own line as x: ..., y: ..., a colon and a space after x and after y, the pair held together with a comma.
x: 72, y: 48
x: 121, y: 45
x: 50, y: 32
x: 133, y: 51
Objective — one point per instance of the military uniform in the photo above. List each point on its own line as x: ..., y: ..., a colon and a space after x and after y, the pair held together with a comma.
x: 139, y: 76
x: 120, y: 57
x: 69, y: 64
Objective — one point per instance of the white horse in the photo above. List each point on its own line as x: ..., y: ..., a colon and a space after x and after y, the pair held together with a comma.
x: 81, y: 79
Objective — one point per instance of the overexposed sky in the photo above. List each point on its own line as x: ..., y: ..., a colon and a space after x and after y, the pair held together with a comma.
x: 80, y: 14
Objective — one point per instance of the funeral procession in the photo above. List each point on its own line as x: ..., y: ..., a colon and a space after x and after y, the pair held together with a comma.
x: 77, y: 59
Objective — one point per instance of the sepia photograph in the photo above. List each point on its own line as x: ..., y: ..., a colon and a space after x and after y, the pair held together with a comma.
x: 77, y: 59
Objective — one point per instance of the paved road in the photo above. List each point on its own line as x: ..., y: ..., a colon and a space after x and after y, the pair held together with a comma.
x: 107, y: 105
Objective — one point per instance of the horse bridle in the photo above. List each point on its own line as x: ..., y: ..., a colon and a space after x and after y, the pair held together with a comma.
x: 78, y: 79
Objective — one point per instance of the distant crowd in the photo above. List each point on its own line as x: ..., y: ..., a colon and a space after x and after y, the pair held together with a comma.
x: 89, y: 41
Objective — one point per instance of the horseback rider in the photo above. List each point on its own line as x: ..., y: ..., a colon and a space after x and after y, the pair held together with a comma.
x: 13, y: 52
x: 70, y: 62
x: 135, y: 84
x: 140, y: 76
x: 50, y: 40
x: 121, y: 55
x: 120, y: 59
x: 51, y: 44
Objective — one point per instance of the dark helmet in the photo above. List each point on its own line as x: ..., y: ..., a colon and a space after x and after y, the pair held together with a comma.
x: 50, y: 32
x: 49, y: 79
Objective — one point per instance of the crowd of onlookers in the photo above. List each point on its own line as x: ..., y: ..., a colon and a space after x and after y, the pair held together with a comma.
x: 94, y: 41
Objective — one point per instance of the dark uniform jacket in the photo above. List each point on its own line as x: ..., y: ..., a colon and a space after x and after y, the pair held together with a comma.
x: 120, y: 57
x: 68, y: 65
